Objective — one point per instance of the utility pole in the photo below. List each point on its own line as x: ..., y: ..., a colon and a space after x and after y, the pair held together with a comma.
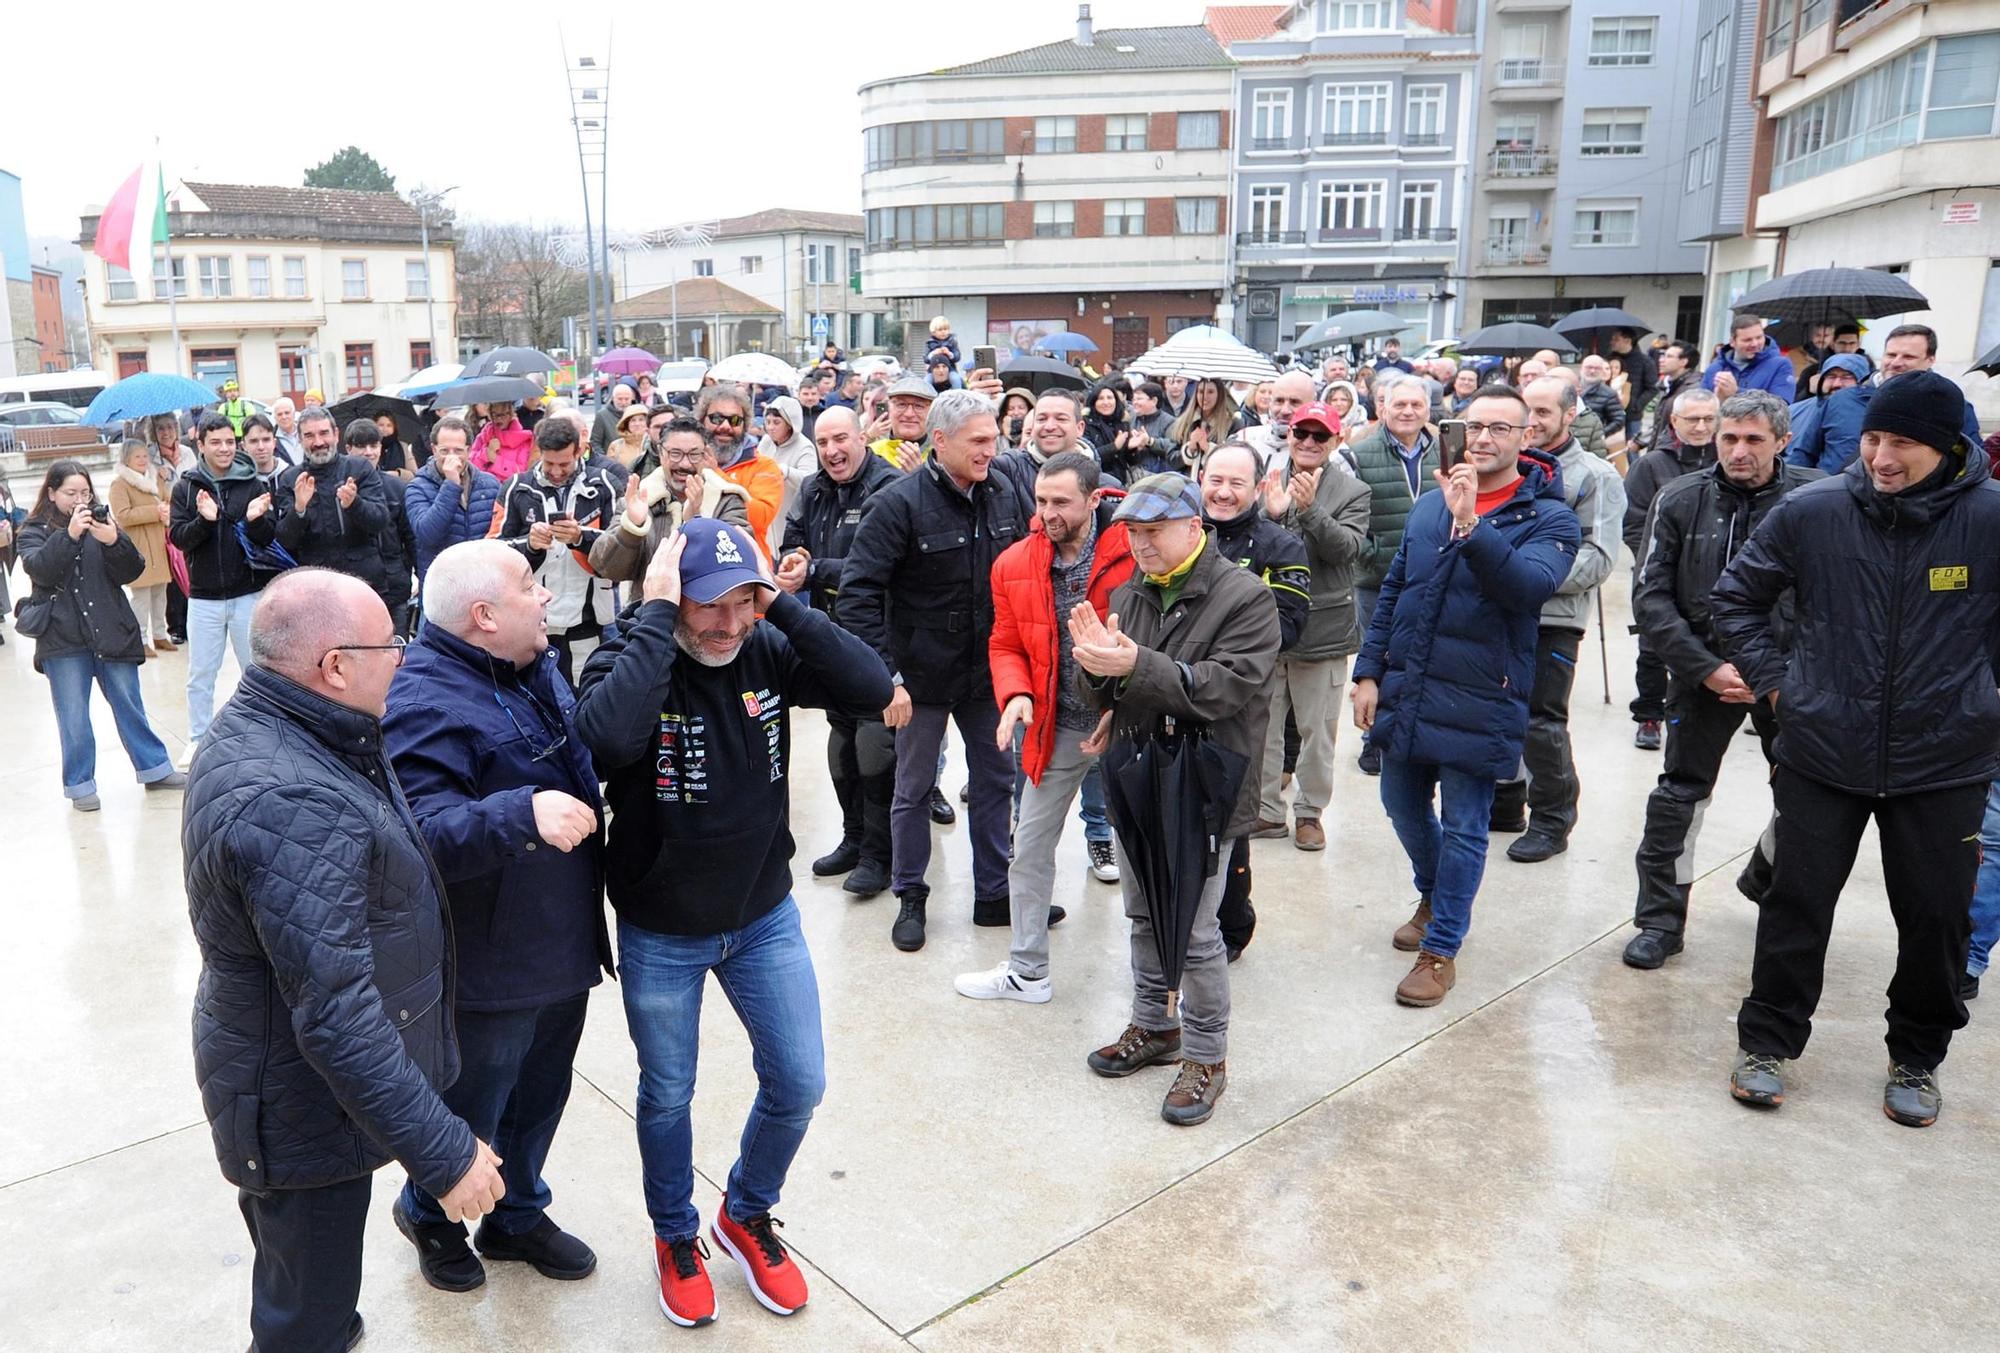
x: 425, y: 200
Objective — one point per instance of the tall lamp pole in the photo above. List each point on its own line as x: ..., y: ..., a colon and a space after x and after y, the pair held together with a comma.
x: 589, y: 96
x: 426, y: 200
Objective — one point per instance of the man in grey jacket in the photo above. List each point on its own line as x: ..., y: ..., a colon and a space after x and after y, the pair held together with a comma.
x: 1548, y: 793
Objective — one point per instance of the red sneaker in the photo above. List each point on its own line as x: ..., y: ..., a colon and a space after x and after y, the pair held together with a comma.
x: 686, y: 1295
x: 774, y: 1279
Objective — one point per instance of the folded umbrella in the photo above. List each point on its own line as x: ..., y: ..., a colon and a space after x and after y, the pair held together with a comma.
x: 1832, y: 296
x: 1516, y: 339
x: 510, y: 362
x: 145, y: 394
x: 1041, y: 374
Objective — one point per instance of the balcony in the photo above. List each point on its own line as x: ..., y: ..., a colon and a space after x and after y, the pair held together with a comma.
x: 1349, y: 234
x: 1425, y: 141
x: 1522, y: 71
x: 1439, y: 234
x: 1506, y: 251
x: 1354, y: 138
x: 1526, y: 163
x: 1269, y: 239
x: 1528, y: 6
x: 1270, y: 143
x: 1526, y: 80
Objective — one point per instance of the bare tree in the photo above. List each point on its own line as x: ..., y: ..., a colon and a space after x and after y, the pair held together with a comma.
x: 512, y: 283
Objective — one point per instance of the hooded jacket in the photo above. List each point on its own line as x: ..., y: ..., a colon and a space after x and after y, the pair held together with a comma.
x: 1596, y: 495
x: 1890, y: 686
x: 1769, y: 370
x: 1452, y: 643
x: 442, y: 515
x: 217, y: 567
x: 505, y: 454
x: 823, y: 523
x: 326, y: 534
x: 1831, y: 442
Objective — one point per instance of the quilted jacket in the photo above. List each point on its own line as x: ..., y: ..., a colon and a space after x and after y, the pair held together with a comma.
x: 322, y: 1018
x: 441, y: 517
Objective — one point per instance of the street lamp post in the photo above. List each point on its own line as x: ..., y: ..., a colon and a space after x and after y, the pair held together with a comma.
x: 425, y: 201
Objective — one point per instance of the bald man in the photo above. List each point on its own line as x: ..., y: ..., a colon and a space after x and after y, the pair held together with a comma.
x: 321, y: 1036
x: 1289, y: 393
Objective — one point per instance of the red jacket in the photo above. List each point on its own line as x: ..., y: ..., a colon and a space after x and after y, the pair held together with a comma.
x: 1023, y: 649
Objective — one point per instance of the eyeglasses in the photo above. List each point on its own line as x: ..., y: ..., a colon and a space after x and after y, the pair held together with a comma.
x: 562, y: 739
x: 734, y: 420
x: 1497, y: 429
x: 1694, y: 418
x: 683, y: 457
x: 1313, y: 435
x: 395, y: 645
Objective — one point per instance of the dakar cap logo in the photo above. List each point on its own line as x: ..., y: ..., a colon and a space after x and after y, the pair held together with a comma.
x: 725, y: 549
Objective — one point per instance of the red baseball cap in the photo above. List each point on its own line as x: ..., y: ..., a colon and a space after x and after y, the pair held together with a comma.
x: 1321, y: 413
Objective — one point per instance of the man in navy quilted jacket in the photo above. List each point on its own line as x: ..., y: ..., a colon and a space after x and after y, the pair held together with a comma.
x: 322, y: 1024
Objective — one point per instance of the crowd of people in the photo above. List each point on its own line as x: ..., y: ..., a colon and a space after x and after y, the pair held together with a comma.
x: 545, y: 661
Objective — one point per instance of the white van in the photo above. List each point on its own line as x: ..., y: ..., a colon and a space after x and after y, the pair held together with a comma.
x: 74, y: 388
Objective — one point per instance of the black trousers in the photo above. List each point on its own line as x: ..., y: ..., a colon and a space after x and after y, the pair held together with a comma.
x: 177, y: 610
x: 1930, y: 859
x: 1550, y: 786
x: 1699, y: 727
x: 307, y: 1275
x: 861, y: 754
x: 1236, y: 917
x: 1650, y: 675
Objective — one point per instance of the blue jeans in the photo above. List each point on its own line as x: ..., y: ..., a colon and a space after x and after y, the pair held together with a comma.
x: 1986, y: 892
x: 69, y: 686
x: 766, y: 972
x: 1448, y: 860
x: 212, y: 626
x: 512, y: 1085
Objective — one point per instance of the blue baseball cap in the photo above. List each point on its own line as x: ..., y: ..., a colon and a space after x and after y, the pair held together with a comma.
x: 717, y: 558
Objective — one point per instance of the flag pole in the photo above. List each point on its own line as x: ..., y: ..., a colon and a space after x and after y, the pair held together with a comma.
x: 167, y: 244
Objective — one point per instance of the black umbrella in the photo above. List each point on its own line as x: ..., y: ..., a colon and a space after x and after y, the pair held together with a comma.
x: 509, y: 362
x: 1593, y: 328
x: 487, y: 390
x: 1042, y: 373
x: 1516, y: 339
x: 1349, y: 326
x: 409, y: 419
x: 1832, y: 296
x: 1989, y: 365
x: 1170, y: 796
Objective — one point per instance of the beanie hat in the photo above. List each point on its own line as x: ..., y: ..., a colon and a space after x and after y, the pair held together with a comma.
x: 1920, y: 405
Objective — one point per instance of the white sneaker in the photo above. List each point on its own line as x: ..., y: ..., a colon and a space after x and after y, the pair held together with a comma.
x: 1002, y: 984
x: 1103, y: 861
x: 186, y: 758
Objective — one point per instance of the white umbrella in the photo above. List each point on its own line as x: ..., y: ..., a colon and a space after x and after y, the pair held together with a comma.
x: 755, y: 368
x: 1222, y: 358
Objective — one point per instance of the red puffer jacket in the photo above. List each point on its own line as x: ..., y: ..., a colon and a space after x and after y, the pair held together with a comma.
x: 1023, y: 649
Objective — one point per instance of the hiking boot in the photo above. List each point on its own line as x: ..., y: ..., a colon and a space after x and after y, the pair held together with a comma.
x: 548, y: 1249
x: 1537, y: 846
x: 1651, y: 948
x: 446, y: 1261
x: 1309, y: 835
x: 839, y: 860
x: 1002, y: 984
x: 908, y: 932
x: 1911, y: 1097
x: 774, y: 1279
x: 1647, y: 736
x: 1267, y: 830
x: 1758, y: 1080
x: 867, y: 879
x: 1135, y: 1050
x: 942, y: 812
x: 687, y: 1297
x: 1195, y: 1091
x: 1103, y: 861
x: 1371, y: 760
x: 1409, y: 936
x: 992, y: 911
x: 1428, y: 981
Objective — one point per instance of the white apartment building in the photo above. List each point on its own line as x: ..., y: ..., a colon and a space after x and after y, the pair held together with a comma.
x: 285, y: 289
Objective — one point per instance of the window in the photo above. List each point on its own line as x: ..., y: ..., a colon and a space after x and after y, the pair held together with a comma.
x: 258, y: 270
x: 905, y: 143
x: 420, y: 355
x: 1356, y: 115
x: 1877, y: 111
x: 1270, y: 119
x: 292, y: 381
x: 119, y: 284
x: 212, y: 366
x: 1813, y: 14
x: 358, y: 367
x: 1055, y: 135
x: 1125, y: 131
x: 1507, y: 235
x: 812, y: 266
x: 1055, y: 220
x: 1623, y: 42
x: 295, y: 278
x: 1350, y: 16
x: 704, y: 267
x: 1605, y: 224
x: 354, y: 279
x: 750, y: 263
x: 1614, y: 131
x: 1708, y: 156
x: 1196, y: 215
x: 1198, y: 131
x: 827, y: 254
x: 1720, y: 70
x: 1351, y: 210
x: 961, y: 223
x: 1267, y: 211
x: 1704, y: 53
x: 1125, y: 216
x: 1423, y: 115
x: 416, y: 280
x: 160, y: 279
x: 853, y: 264
x: 212, y: 273
x: 1522, y: 48
x: 1518, y: 131
x: 1778, y: 31
x: 1694, y: 169
x: 1963, y: 76
x: 1418, y: 218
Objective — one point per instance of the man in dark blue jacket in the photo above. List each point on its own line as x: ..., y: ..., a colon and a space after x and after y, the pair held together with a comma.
x: 1831, y: 440
x: 1887, y: 709
x: 508, y: 803
x: 1461, y: 604
x: 450, y: 500
x: 1750, y: 361
x: 686, y: 707
x: 323, y: 1024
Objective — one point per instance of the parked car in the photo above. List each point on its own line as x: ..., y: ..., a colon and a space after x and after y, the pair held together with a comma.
x: 44, y: 413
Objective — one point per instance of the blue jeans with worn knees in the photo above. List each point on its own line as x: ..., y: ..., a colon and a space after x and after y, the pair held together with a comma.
x: 213, y: 626
x: 70, y: 680
x: 512, y: 1086
x: 1986, y: 893
x: 1447, y: 858
x: 766, y: 972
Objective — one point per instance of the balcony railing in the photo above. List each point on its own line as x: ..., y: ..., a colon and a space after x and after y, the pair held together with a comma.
x: 1266, y: 239
x: 1423, y: 140
x: 1520, y: 164
x: 1506, y: 250
x: 1441, y: 233
x: 1522, y: 71
x: 1270, y: 143
x: 1354, y: 138
x: 1349, y: 234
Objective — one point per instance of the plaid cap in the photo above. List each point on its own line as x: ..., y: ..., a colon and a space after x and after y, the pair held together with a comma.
x: 1159, y: 497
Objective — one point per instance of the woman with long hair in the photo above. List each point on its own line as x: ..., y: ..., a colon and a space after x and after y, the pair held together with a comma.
x: 1106, y: 423
x: 1208, y: 421
x: 84, y: 629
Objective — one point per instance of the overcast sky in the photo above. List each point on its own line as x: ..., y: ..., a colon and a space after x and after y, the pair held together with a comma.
x: 717, y: 109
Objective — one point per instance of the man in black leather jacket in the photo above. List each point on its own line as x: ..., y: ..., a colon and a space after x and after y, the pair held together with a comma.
x: 322, y: 1022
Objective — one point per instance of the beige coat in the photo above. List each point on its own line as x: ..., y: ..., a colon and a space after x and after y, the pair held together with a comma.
x: 135, y: 506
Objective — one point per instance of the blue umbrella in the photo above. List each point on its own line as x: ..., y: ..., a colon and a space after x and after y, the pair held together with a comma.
x: 145, y: 394
x: 1064, y: 342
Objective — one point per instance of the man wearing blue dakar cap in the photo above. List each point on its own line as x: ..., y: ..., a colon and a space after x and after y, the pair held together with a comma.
x: 1190, y: 638
x: 686, y: 708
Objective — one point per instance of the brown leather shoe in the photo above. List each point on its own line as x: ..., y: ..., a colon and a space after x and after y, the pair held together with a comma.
x: 1195, y: 1091
x: 1134, y: 1050
x: 165, y: 645
x: 1267, y: 830
x: 1428, y: 981
x: 1308, y: 835
x: 1409, y: 935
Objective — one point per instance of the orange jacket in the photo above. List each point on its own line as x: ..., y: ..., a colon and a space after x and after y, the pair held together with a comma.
x: 764, y: 480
